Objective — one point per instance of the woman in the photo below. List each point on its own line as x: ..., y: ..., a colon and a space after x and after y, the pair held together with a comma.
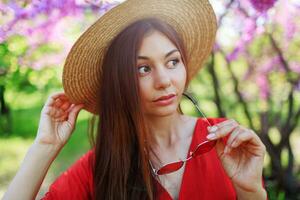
x: 132, y: 68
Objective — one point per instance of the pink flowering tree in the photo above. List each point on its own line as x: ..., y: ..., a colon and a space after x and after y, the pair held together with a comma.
x: 257, y: 52
x: 35, y: 37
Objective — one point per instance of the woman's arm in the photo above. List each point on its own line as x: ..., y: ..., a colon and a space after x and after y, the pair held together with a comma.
x: 28, y: 180
x: 56, y: 125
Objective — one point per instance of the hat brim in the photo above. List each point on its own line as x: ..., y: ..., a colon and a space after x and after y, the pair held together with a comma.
x: 194, y: 20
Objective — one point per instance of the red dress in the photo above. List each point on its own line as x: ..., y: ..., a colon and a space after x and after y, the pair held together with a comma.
x: 203, y: 177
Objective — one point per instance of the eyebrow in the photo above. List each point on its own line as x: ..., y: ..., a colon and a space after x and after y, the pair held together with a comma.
x: 168, y: 54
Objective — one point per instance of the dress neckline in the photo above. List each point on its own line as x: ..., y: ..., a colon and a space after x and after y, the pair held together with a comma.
x: 162, y: 188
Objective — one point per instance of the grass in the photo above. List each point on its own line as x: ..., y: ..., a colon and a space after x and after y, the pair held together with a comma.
x: 12, y: 152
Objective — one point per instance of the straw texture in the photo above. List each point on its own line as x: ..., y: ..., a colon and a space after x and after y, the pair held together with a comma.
x: 194, y: 20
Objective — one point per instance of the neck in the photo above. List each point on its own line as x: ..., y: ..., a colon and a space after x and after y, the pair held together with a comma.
x: 166, y: 130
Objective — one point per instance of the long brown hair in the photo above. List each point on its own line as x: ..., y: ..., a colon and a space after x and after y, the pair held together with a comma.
x: 121, y: 169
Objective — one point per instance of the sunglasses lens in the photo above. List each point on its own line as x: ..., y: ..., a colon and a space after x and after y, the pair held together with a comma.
x: 172, y: 167
x: 205, y: 147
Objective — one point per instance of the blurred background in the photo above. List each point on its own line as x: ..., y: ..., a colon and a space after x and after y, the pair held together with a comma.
x: 253, y: 76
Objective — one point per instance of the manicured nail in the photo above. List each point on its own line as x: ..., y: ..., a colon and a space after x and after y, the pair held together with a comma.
x: 212, y: 128
x: 226, y: 150
x: 211, y: 136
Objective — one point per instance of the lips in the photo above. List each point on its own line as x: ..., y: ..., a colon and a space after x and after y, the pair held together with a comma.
x: 164, y: 97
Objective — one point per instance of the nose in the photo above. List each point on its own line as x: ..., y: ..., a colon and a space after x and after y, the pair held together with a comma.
x: 162, y: 78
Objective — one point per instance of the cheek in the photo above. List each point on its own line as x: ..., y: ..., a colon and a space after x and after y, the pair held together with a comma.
x: 144, y: 88
x: 181, y: 77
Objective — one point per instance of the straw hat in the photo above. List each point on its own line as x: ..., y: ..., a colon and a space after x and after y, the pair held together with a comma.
x: 194, y: 20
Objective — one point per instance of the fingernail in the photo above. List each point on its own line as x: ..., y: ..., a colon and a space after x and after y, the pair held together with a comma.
x: 212, y: 128
x: 211, y: 136
x: 226, y: 150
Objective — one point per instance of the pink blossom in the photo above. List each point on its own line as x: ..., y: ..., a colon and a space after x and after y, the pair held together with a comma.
x: 269, y: 65
x: 53, y: 9
x: 249, y: 30
x: 263, y: 85
x: 233, y: 55
x: 286, y: 16
x: 295, y: 66
x: 248, y: 34
x: 262, y: 5
x: 298, y: 86
x: 216, y: 47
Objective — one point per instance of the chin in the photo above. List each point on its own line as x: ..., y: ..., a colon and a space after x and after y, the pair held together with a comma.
x: 163, y: 111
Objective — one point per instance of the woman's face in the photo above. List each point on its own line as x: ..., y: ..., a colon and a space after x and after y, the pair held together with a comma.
x: 161, y: 74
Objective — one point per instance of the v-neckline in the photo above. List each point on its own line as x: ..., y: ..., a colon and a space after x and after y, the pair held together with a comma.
x: 185, y: 167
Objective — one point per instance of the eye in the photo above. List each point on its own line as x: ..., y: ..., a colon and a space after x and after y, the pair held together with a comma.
x: 144, y: 69
x: 173, y: 62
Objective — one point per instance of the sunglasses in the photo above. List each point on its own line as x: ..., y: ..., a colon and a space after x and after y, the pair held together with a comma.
x: 201, y: 149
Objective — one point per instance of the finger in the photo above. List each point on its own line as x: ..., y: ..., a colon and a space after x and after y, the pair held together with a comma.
x: 65, y: 116
x: 220, y: 125
x: 65, y: 106
x: 58, y: 100
x: 231, y: 138
x: 51, y: 99
x: 57, y: 103
x: 222, y: 132
x: 62, y: 118
x: 233, y: 135
x: 54, y: 95
x: 71, y: 107
x: 244, y: 136
x: 74, y: 113
x: 55, y: 112
x: 248, y: 138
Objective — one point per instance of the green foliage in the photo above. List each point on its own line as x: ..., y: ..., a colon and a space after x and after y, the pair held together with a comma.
x: 273, y: 192
x: 19, y: 74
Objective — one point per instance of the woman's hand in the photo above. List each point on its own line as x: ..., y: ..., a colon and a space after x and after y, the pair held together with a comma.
x: 57, y: 121
x: 242, y: 156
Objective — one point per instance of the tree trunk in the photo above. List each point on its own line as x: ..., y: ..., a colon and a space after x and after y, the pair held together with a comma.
x: 4, y: 113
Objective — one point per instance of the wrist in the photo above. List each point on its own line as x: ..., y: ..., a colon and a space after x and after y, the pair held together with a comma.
x: 48, y: 150
x: 259, y: 194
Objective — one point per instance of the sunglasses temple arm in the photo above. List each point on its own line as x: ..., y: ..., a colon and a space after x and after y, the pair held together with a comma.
x: 153, y: 169
x: 195, y: 103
